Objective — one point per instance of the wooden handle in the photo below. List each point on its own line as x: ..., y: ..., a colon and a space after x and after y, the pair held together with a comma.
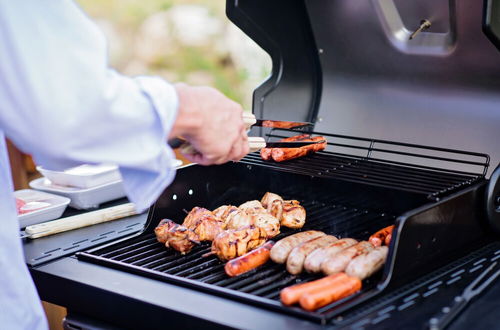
x: 256, y: 143
x: 81, y: 220
x: 248, y: 120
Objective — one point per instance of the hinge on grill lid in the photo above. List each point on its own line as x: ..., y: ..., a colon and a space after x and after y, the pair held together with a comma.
x: 493, y: 200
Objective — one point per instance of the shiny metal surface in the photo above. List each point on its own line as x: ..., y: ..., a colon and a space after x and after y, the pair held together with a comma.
x: 374, y: 86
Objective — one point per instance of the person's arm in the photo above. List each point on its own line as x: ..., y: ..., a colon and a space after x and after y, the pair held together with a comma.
x: 60, y: 102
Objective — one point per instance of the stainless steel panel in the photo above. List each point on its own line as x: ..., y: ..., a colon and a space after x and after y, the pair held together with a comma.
x: 373, y: 87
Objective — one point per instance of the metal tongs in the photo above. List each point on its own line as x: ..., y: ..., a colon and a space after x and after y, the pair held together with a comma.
x: 256, y: 143
x: 448, y: 314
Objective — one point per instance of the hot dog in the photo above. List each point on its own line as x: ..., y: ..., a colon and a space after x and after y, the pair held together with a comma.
x: 292, y: 294
x: 388, y: 239
x: 249, y: 261
x: 281, y: 250
x: 379, y: 237
x: 323, y: 296
x: 282, y: 154
x: 339, y: 262
x: 365, y: 265
x: 265, y: 153
x: 314, y: 260
x: 295, y: 261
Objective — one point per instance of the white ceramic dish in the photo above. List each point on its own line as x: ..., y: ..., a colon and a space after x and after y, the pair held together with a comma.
x: 40, y: 206
x: 82, y: 198
x: 83, y: 176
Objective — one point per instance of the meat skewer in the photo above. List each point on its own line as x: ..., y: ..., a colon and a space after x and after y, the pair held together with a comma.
x: 204, y: 223
x: 230, y: 244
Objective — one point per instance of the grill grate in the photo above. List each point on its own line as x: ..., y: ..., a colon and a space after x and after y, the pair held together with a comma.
x: 387, y: 164
x: 331, y: 214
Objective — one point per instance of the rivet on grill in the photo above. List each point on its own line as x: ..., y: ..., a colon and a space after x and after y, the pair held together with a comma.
x: 190, y: 192
x: 174, y: 197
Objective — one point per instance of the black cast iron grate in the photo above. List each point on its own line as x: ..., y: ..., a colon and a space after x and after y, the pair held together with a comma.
x: 329, y: 213
x: 394, y: 165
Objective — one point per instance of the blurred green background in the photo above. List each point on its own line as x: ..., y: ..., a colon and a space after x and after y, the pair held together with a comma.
x: 181, y: 40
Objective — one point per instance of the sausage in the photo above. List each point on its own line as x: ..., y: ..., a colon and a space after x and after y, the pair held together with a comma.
x: 282, y: 154
x: 295, y: 261
x: 379, y: 237
x: 249, y: 261
x: 281, y: 250
x: 265, y: 153
x: 314, y: 260
x: 388, y: 239
x: 292, y: 294
x: 326, y: 295
x: 366, y: 265
x: 339, y: 262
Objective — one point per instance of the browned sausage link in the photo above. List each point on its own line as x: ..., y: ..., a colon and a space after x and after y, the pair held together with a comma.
x: 365, y: 265
x: 315, y: 259
x: 323, y: 296
x: 249, y: 261
x: 388, y: 239
x: 379, y: 237
x: 281, y: 250
x: 295, y: 261
x: 265, y: 153
x: 282, y: 154
x: 292, y: 294
x: 339, y: 262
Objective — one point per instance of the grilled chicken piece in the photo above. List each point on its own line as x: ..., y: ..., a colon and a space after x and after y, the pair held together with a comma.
x: 269, y: 223
x: 232, y: 243
x: 161, y: 231
x: 276, y: 209
x: 252, y: 207
x: 293, y: 214
x: 181, y: 238
x: 268, y: 199
x: 233, y: 217
x: 204, y: 223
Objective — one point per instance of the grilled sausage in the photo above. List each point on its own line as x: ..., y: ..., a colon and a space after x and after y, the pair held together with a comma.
x: 323, y: 296
x: 295, y: 261
x: 388, y: 239
x: 249, y: 261
x: 339, y: 262
x: 292, y: 294
x: 379, y: 237
x: 281, y: 250
x: 366, y: 265
x: 265, y: 153
x: 314, y: 260
x: 282, y: 154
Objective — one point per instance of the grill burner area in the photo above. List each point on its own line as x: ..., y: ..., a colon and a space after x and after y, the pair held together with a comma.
x: 346, y: 195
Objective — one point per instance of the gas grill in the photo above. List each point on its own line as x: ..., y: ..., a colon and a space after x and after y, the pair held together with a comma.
x: 412, y: 131
x: 346, y: 195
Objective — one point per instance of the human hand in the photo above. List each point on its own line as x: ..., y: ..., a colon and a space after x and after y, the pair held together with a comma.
x: 212, y: 124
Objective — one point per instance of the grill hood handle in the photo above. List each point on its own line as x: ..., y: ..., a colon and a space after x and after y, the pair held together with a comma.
x: 493, y: 200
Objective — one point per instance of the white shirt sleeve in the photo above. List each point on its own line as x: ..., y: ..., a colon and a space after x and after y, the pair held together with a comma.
x: 60, y: 102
